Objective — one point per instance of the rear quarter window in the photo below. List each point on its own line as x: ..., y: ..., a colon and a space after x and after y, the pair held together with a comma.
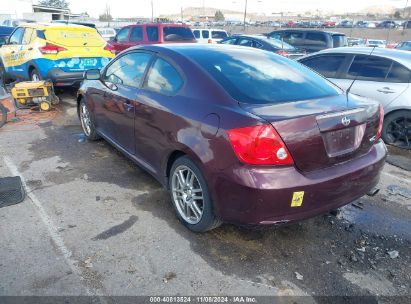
x: 163, y: 78
x: 316, y: 39
x: 171, y: 33
x: 152, y: 33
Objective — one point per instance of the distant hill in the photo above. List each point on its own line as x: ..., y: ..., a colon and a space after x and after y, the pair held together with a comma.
x: 379, y: 10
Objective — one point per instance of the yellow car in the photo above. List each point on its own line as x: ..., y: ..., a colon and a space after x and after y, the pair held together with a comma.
x: 56, y: 52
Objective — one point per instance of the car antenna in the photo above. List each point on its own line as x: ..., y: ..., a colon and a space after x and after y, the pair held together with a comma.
x: 356, y: 76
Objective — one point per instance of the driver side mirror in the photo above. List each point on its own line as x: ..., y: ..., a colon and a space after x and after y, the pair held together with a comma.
x: 92, y: 74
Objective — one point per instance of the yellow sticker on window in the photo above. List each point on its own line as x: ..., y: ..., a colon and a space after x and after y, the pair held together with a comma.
x: 297, y: 200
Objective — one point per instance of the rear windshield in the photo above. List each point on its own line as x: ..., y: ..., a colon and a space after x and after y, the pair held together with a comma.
x: 177, y: 34
x: 218, y: 35
x: 74, y: 36
x: 259, y: 77
x: 340, y: 40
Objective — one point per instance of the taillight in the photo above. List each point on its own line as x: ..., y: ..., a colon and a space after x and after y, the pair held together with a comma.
x: 282, y: 52
x: 51, y: 49
x: 259, y: 145
x: 380, y: 122
x: 110, y: 48
x: 210, y: 41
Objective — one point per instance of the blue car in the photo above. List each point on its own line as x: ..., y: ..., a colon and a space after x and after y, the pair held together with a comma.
x: 5, y: 32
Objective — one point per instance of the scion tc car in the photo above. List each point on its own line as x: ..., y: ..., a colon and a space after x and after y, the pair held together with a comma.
x: 236, y: 134
x: 57, y: 52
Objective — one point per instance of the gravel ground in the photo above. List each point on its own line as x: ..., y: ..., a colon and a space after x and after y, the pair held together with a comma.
x: 94, y: 223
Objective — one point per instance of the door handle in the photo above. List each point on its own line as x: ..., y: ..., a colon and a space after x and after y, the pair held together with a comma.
x: 128, y: 106
x: 12, y: 52
x: 30, y: 49
x: 386, y: 90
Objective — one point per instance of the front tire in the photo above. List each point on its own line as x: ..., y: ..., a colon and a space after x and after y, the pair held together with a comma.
x: 86, y: 122
x: 397, y: 129
x: 191, y: 197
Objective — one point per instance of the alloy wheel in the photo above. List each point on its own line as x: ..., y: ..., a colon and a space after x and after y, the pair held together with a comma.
x: 399, y: 132
x: 187, y: 194
x: 85, y: 119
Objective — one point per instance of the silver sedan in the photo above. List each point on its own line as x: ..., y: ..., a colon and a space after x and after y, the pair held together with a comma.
x: 380, y: 74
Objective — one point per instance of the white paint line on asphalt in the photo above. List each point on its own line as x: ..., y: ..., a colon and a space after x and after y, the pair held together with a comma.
x: 48, y: 222
x: 397, y: 177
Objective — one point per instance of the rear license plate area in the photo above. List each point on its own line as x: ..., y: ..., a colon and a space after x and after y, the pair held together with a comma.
x: 342, y: 141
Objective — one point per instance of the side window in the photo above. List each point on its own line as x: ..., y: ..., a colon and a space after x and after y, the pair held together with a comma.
x: 229, y: 41
x: 128, y: 70
x: 327, y: 65
x: 245, y: 42
x: 218, y: 34
x: 163, y: 78
x: 17, y: 36
x: 122, y: 35
x: 136, y: 34
x: 257, y: 45
x: 278, y: 36
x: 196, y: 34
x: 369, y: 68
x: 28, y: 36
x: 316, y: 39
x: 206, y: 34
x: 398, y: 73
x: 152, y: 33
x: 293, y: 38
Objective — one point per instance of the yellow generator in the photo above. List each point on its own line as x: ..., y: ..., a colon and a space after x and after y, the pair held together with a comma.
x: 35, y: 93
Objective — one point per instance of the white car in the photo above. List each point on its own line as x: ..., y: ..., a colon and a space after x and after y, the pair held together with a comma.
x: 107, y: 33
x: 209, y: 35
x: 376, y: 43
x: 380, y: 74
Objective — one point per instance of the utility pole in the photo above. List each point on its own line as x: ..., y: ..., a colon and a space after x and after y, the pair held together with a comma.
x: 182, y: 20
x: 405, y: 8
x: 245, y: 13
x: 152, y: 11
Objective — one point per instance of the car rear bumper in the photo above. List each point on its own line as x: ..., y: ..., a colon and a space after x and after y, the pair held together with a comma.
x: 61, y: 78
x: 263, y: 196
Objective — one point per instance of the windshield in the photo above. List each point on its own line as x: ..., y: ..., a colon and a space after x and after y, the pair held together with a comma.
x: 280, y: 44
x: 260, y: 77
x: 218, y: 35
x: 172, y: 33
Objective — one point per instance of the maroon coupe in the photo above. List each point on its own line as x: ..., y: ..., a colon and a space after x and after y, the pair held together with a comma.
x: 236, y: 134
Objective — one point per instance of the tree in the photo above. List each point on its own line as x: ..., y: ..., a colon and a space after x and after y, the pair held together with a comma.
x: 55, y: 3
x: 219, y: 16
x: 397, y: 15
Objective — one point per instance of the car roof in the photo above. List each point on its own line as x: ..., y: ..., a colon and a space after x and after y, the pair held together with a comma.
x: 309, y: 31
x: 186, y: 48
x: 209, y: 29
x: 403, y: 57
x: 58, y: 25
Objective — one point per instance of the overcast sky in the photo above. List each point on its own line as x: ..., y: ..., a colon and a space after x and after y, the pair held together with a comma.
x: 127, y: 8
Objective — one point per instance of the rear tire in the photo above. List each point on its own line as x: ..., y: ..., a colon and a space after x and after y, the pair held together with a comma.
x: 396, y: 130
x: 87, y: 122
x: 187, y: 185
x: 35, y: 75
x: 2, y: 74
x: 3, y: 115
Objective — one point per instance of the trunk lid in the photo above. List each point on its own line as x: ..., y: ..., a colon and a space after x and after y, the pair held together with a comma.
x: 68, y: 36
x: 323, y: 132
